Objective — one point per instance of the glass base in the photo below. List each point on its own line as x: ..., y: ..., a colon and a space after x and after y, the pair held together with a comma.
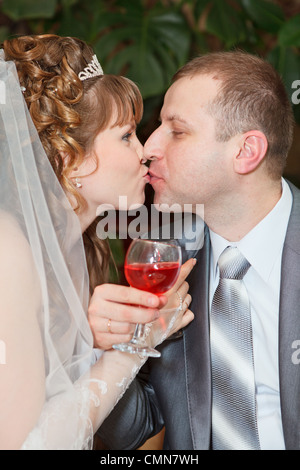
x: 137, y: 348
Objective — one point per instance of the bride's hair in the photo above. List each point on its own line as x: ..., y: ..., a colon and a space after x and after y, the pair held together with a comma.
x: 69, y: 113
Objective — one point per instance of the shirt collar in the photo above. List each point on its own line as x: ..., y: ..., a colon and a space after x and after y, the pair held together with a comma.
x: 264, y: 242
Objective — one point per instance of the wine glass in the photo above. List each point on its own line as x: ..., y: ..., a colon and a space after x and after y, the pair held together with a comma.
x: 153, y: 266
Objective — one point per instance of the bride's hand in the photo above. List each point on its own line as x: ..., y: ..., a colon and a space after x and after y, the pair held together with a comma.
x: 115, y: 310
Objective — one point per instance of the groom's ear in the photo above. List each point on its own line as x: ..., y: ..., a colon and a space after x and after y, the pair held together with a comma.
x: 253, y: 147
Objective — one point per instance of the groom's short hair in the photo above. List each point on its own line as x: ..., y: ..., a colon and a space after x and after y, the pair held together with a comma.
x: 251, y: 96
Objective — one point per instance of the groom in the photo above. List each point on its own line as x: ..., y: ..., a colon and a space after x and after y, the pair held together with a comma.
x: 226, y: 129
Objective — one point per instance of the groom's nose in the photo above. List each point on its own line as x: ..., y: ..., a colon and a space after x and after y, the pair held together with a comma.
x: 153, y: 146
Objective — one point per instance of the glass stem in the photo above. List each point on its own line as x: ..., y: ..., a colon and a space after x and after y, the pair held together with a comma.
x: 139, y: 332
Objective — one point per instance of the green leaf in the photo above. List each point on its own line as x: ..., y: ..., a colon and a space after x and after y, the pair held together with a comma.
x: 68, y: 3
x: 289, y: 35
x: 296, y: 109
x: 117, y: 249
x: 80, y: 19
x: 225, y: 22
x: 200, y: 6
x: 118, y: 254
x: 266, y: 14
x: 145, y: 70
x: 108, y: 43
x: 164, y: 57
x: 152, y: 83
x: 146, y: 45
x: 29, y: 9
x: 175, y: 38
x: 287, y: 62
x: 4, y: 33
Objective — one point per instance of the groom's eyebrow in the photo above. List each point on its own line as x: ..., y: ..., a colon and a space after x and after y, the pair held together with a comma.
x: 175, y: 117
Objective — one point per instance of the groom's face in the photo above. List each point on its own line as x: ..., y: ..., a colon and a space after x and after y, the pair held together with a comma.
x: 188, y: 164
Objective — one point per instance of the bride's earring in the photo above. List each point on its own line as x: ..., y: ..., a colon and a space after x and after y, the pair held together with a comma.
x: 78, y: 183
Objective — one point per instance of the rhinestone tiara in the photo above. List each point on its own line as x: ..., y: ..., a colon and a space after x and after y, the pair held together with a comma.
x: 93, y: 69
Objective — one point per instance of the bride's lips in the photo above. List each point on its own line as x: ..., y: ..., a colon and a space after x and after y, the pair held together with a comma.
x: 146, y: 176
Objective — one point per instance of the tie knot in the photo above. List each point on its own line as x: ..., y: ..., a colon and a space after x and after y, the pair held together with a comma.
x: 232, y: 264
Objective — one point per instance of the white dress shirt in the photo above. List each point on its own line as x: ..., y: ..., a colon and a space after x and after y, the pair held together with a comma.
x: 262, y: 247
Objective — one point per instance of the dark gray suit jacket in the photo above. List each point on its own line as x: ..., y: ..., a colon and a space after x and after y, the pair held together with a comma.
x: 175, y: 390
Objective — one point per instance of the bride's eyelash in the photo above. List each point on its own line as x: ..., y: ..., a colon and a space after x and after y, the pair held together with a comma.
x: 127, y: 136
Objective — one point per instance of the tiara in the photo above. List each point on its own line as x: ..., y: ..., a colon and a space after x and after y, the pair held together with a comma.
x: 93, y: 69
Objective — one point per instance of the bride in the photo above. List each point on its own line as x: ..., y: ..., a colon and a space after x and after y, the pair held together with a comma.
x: 68, y: 144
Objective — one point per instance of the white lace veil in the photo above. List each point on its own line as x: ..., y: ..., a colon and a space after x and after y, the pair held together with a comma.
x: 32, y: 195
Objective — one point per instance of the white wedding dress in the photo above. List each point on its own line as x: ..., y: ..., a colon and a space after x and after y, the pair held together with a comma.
x: 50, y: 397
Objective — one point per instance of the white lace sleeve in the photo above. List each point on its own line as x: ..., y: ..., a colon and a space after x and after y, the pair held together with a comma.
x: 63, y: 425
x: 115, y: 370
x: 48, y: 400
x: 98, y: 392
x: 109, y: 379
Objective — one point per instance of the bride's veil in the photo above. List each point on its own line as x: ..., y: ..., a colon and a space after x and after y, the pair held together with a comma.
x: 32, y: 195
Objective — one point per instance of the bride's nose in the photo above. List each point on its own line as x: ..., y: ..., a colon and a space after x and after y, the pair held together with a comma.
x: 140, y: 151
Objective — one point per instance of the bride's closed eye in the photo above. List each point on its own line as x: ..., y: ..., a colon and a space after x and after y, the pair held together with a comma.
x: 127, y: 136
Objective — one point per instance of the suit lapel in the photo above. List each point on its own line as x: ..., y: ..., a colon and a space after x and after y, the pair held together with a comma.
x: 196, y: 340
x: 289, y: 329
x: 197, y: 353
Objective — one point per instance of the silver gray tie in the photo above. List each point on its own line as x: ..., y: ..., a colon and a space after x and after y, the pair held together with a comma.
x: 234, y: 423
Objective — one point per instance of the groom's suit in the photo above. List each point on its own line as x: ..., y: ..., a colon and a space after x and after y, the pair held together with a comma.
x: 175, y: 390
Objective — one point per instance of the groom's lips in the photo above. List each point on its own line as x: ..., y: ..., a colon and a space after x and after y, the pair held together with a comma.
x: 154, y: 177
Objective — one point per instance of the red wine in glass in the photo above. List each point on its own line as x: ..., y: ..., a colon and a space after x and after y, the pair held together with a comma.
x: 153, y: 266
x: 156, y: 278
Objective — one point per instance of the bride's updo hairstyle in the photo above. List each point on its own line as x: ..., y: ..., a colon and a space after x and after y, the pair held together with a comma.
x: 69, y: 113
